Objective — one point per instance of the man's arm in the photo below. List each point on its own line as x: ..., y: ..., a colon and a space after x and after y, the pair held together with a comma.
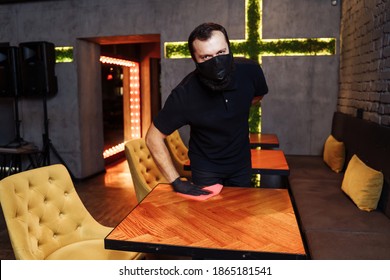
x: 158, y: 149
x: 257, y: 99
x: 155, y: 142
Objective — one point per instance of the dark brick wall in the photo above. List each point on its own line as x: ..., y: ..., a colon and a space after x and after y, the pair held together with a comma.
x: 365, y: 59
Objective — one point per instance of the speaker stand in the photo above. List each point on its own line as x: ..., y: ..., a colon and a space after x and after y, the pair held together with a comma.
x: 47, y: 144
x: 18, y: 141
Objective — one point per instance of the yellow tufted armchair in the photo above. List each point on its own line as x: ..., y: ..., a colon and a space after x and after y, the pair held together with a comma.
x: 46, y: 219
x: 143, y: 169
x: 179, y: 152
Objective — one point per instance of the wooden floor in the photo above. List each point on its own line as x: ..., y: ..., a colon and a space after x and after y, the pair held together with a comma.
x: 109, y: 197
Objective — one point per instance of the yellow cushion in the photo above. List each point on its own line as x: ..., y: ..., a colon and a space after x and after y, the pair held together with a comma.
x: 362, y: 184
x: 334, y: 154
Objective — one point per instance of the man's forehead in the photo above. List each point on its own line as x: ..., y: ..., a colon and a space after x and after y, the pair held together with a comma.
x: 214, y: 34
x: 216, y: 41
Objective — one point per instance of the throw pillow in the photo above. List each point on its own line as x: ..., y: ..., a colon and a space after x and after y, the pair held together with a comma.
x: 334, y: 154
x: 362, y: 184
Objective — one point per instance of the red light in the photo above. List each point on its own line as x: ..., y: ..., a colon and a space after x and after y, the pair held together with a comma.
x: 109, y: 77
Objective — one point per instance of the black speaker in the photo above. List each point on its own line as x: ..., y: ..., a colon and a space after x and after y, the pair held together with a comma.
x: 37, y: 60
x: 9, y: 72
x: 7, y: 122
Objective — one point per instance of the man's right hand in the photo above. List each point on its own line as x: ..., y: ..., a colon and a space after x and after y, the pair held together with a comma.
x: 188, y: 187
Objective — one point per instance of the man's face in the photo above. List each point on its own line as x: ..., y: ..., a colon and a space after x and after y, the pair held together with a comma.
x: 214, y: 46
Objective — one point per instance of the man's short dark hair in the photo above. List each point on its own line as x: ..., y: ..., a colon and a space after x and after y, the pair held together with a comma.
x: 203, y: 32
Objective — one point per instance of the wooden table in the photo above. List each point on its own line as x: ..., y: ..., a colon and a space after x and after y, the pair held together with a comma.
x: 269, y: 162
x: 239, y: 223
x: 263, y: 140
x: 266, y: 162
x: 11, y: 159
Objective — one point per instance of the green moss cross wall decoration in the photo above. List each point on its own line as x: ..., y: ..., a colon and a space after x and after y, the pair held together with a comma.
x: 255, y: 47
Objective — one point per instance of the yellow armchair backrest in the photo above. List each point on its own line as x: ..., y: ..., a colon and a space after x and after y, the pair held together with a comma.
x: 179, y: 152
x: 144, y: 171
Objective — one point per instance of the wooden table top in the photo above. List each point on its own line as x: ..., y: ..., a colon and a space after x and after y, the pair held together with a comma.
x: 269, y: 162
x: 238, y: 223
x: 24, y: 149
x: 264, y: 140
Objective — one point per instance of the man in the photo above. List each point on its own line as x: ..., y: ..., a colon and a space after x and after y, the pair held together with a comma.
x: 214, y: 100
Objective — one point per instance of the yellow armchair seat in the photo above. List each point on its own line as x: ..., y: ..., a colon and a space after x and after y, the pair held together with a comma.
x: 90, y: 250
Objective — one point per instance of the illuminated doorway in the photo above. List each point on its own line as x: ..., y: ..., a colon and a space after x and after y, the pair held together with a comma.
x: 121, y: 103
x: 135, y: 94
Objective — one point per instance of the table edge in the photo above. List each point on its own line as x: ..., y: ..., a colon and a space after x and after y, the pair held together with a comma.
x: 197, y: 252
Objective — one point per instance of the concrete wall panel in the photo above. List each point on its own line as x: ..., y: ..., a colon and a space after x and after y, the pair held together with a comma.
x: 76, y: 130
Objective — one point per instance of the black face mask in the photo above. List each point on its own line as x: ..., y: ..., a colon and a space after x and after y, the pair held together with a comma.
x: 215, y: 73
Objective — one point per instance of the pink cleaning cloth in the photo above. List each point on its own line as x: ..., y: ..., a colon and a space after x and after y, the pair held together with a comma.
x: 214, y: 189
